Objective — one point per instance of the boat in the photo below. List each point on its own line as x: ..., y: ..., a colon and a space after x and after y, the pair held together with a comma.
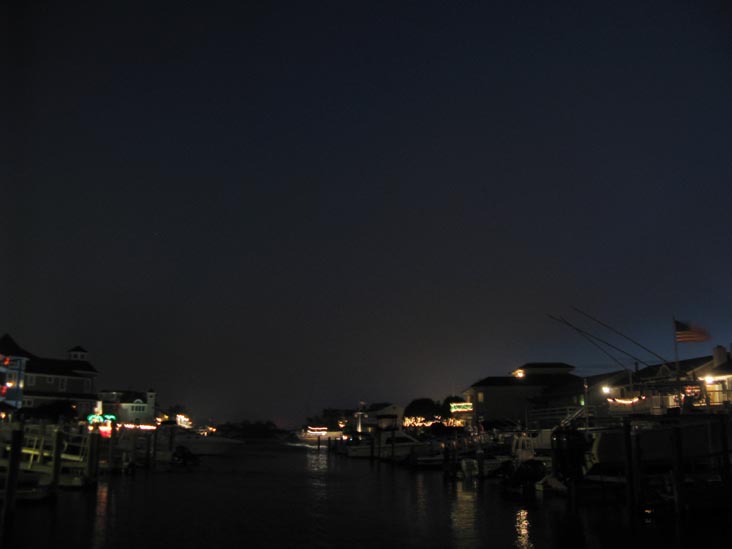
x: 390, y: 445
x: 170, y: 437
x: 316, y: 435
x: 700, y: 441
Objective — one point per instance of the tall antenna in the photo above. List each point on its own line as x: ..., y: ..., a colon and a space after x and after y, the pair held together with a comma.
x: 588, y: 334
x: 601, y: 323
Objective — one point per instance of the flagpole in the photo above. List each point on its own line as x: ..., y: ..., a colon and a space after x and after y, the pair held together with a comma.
x: 676, y: 351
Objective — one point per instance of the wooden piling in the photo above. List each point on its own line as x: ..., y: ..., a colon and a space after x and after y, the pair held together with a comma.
x: 134, y: 435
x: 148, y: 450
x: 11, y: 481
x: 58, y: 439
x: 113, y: 438
x: 92, y: 457
x: 637, y: 471
x: 628, y: 462
x: 154, y: 449
x: 677, y: 463
x: 724, y: 467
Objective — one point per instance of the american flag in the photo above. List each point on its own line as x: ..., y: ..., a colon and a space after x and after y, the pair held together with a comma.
x: 688, y: 333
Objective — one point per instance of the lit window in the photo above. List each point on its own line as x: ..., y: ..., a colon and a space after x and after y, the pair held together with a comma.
x: 481, y: 396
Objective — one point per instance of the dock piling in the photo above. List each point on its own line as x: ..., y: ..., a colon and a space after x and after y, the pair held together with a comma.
x: 58, y: 437
x: 11, y: 481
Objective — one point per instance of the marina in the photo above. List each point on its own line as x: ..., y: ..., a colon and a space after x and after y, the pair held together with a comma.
x: 277, y: 495
x: 649, y: 449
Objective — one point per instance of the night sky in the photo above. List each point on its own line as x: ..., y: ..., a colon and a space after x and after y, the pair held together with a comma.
x: 262, y: 209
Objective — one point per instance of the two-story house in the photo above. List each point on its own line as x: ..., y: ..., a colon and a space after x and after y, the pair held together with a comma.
x: 501, y: 398
x: 39, y: 382
x: 130, y: 407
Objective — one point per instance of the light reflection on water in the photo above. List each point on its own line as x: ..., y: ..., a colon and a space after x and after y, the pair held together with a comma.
x: 274, y: 498
x: 463, y: 513
x: 100, y: 515
x: 522, y: 530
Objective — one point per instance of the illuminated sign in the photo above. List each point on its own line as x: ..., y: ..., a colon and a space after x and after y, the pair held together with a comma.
x: 461, y: 407
x: 97, y: 418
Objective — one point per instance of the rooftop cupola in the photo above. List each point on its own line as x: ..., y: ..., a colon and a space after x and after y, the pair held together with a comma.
x: 77, y: 353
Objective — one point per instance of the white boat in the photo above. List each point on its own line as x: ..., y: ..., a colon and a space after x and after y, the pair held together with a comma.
x: 315, y: 435
x: 393, y: 445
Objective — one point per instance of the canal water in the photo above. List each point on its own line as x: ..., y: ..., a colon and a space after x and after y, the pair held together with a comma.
x: 288, y: 496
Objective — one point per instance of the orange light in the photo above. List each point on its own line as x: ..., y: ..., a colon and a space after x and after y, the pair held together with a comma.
x: 6, y: 361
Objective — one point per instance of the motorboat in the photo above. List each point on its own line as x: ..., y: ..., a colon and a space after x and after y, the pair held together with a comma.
x: 389, y: 445
x: 317, y: 435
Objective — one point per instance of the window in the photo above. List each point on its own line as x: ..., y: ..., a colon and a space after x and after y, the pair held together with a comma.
x: 27, y: 403
x: 30, y: 380
x: 87, y: 385
x: 49, y: 380
x: 481, y: 396
x: 62, y: 384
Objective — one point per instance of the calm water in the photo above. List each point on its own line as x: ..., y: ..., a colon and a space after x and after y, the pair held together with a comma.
x: 295, y: 497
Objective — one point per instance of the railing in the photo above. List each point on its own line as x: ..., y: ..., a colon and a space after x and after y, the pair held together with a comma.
x: 560, y: 415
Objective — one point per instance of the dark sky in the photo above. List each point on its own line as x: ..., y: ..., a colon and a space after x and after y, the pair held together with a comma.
x: 261, y: 209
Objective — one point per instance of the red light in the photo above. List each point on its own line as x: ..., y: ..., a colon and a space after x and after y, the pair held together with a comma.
x: 4, y: 390
x: 6, y: 361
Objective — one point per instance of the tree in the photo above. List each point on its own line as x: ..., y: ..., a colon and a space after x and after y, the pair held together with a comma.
x: 445, y: 410
x: 422, y: 407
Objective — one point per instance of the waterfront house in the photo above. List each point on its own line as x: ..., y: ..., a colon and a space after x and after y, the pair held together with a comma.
x: 382, y: 415
x: 512, y: 397
x: 13, y: 360
x: 130, y: 407
x: 36, y: 382
x: 700, y: 383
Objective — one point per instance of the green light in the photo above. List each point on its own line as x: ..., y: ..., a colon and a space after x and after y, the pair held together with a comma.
x: 461, y: 407
x: 96, y: 418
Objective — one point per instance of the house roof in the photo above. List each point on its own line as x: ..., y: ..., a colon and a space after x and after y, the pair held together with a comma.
x: 50, y: 366
x: 376, y: 406
x: 30, y: 393
x: 125, y: 397
x: 77, y: 349
x: 9, y: 347
x: 546, y: 366
x: 723, y: 369
x: 685, y: 366
x: 533, y: 380
x: 59, y: 367
x: 577, y: 385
